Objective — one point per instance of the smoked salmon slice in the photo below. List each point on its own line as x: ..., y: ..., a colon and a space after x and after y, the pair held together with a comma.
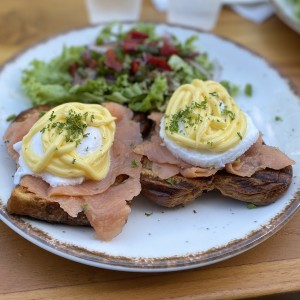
x: 106, y: 203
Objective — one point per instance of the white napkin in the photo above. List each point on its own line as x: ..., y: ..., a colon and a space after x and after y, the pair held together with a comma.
x: 113, y: 10
x: 257, y: 13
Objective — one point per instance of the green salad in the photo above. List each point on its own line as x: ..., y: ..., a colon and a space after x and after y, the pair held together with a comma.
x: 136, y: 68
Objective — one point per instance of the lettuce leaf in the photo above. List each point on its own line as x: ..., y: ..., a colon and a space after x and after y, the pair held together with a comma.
x: 49, y: 83
x: 147, y: 89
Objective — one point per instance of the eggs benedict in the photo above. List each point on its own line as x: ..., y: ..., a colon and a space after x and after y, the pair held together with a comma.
x: 67, y: 145
x: 204, y: 126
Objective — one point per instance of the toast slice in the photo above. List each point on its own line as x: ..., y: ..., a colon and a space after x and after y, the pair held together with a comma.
x: 262, y: 188
x: 25, y: 203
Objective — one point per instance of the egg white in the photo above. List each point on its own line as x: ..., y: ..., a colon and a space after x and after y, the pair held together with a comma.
x: 208, y: 159
x: 89, y: 144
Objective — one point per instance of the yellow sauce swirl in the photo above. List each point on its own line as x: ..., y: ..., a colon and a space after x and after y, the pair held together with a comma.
x: 60, y: 157
x: 202, y: 115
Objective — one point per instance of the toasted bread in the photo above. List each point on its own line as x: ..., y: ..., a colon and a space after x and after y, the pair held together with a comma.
x: 26, y: 203
x: 262, y: 188
x: 23, y: 202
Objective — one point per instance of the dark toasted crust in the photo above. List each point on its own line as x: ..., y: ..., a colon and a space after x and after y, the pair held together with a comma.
x: 180, y: 191
x: 263, y: 188
x: 22, y: 202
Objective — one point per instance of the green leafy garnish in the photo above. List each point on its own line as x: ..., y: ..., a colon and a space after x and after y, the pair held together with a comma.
x: 251, y: 205
x: 278, y: 118
x: 73, y: 127
x: 134, y: 164
x: 229, y: 113
x: 232, y: 88
x: 240, y: 136
x: 172, y: 181
x: 41, y: 112
x: 84, y: 206
x: 11, y: 118
x: 215, y: 94
x: 248, y: 89
x: 148, y: 214
x: 187, y: 116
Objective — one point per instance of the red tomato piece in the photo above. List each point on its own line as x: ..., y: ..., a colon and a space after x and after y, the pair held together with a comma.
x: 167, y: 49
x: 135, y: 66
x: 129, y: 46
x: 159, y: 62
x: 112, y: 61
x: 137, y: 35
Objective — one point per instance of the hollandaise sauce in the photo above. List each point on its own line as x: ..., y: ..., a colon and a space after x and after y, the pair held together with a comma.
x: 202, y: 115
x: 62, y: 131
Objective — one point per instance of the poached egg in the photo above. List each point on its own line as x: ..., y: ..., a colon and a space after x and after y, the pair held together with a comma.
x: 204, y: 127
x: 67, y: 145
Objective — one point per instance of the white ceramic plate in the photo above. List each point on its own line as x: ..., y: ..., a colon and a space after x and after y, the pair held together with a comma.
x: 284, y: 10
x: 206, y: 231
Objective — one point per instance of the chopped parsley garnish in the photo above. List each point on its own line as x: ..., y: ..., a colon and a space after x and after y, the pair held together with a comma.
x: 231, y: 88
x: 278, y: 118
x: 134, y: 164
x: 52, y: 117
x: 229, y: 113
x: 215, y: 94
x: 73, y: 161
x: 11, y: 118
x: 73, y: 127
x: 248, y: 89
x: 84, y: 206
x: 240, y: 136
x: 148, y: 214
x: 41, y: 112
x: 187, y: 116
x: 251, y: 205
x: 172, y: 181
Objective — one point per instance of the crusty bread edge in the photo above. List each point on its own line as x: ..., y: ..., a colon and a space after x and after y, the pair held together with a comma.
x: 25, y: 203
x: 262, y: 188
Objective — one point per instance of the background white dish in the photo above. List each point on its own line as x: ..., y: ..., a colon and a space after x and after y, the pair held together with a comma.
x: 285, y: 12
x: 206, y: 231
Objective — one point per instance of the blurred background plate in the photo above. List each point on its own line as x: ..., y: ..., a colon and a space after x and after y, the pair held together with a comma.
x: 286, y: 11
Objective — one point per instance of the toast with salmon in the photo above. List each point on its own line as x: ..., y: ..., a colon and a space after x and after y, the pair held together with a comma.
x: 262, y: 188
x: 103, y: 204
x: 259, y: 176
